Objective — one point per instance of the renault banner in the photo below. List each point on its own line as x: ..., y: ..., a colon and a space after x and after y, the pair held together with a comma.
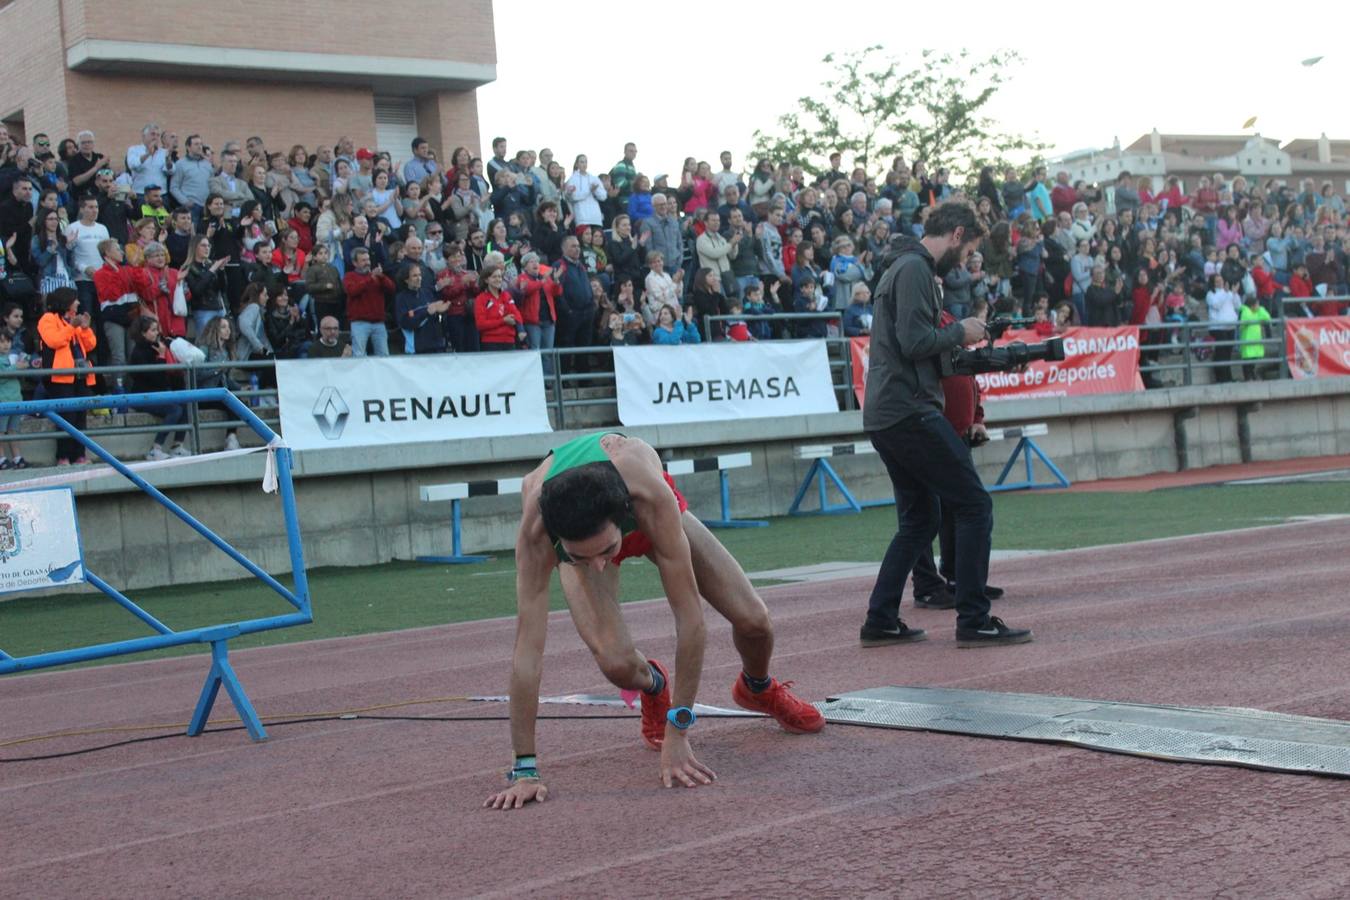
x: 409, y: 399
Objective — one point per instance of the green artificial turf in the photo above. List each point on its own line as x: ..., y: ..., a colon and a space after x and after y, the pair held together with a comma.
x: 349, y: 601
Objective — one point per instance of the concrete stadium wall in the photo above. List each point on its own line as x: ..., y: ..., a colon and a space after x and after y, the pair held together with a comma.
x: 361, y: 507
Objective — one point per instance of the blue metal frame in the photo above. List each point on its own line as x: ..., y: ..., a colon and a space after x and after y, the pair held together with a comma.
x: 1025, y: 448
x: 221, y: 672
x: 456, y: 557
x: 726, y: 521
x: 824, y: 474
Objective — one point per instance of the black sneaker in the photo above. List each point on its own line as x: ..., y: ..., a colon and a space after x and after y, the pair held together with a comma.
x: 993, y: 634
x: 882, y: 637
x: 942, y: 598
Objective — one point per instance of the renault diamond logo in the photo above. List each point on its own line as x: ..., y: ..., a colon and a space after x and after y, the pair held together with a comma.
x: 331, y: 412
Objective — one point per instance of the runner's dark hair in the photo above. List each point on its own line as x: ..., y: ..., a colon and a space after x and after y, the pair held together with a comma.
x: 577, y: 503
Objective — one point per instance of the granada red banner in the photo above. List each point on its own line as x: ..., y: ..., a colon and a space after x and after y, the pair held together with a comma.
x: 1097, y: 361
x: 859, y: 347
x: 1318, y: 348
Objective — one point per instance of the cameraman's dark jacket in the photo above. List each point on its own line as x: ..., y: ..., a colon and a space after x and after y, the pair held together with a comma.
x: 903, y: 376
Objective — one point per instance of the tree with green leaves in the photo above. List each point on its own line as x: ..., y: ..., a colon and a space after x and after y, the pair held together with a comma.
x: 875, y: 107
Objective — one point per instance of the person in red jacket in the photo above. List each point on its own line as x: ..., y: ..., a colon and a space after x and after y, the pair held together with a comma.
x: 457, y: 285
x: 158, y: 288
x: 119, y: 290
x: 961, y: 407
x: 539, y: 287
x: 1268, y: 290
x: 498, y: 318
x: 367, y: 290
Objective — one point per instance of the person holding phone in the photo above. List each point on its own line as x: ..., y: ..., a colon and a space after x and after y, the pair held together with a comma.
x: 67, y: 341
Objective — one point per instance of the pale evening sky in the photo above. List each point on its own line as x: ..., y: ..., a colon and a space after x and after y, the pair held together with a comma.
x: 611, y: 71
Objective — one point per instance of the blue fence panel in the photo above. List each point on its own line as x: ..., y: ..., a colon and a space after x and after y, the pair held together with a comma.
x: 221, y: 673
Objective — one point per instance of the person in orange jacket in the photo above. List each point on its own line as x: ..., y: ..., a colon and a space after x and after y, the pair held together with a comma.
x: 67, y: 341
x: 498, y: 318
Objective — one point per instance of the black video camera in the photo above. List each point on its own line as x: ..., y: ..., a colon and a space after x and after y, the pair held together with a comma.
x: 989, y: 358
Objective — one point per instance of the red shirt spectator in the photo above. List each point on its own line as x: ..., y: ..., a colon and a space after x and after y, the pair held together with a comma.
x: 366, y: 292
x: 119, y: 285
x: 1207, y: 201
x: 1172, y: 194
x: 535, y: 288
x: 1062, y: 198
x: 458, y: 286
x: 1265, y: 282
x: 296, y: 270
x: 1300, y: 286
x: 490, y: 311
x: 157, y: 290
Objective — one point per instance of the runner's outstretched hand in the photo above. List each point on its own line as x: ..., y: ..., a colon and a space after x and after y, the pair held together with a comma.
x: 518, y: 794
x: 678, y: 764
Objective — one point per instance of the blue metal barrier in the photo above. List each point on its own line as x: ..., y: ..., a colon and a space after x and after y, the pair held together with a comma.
x: 221, y: 673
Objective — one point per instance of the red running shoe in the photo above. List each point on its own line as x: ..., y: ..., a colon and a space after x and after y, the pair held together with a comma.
x: 654, y: 709
x: 796, y: 716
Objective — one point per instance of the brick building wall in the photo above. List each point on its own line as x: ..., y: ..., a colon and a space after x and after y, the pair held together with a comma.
x: 455, y: 29
x: 115, y: 107
x: 115, y: 100
x: 32, y: 66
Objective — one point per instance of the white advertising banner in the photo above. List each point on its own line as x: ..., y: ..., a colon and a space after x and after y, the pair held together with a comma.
x: 658, y: 385
x: 410, y: 399
x: 39, y: 540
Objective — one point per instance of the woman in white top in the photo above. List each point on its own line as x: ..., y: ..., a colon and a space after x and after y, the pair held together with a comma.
x: 660, y: 289
x: 386, y: 200
x: 584, y: 192
x: 1224, y: 311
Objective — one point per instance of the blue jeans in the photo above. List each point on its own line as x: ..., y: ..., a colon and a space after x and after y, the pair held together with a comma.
x: 373, y: 332
x: 202, y: 318
x: 169, y: 414
x: 931, y: 470
x: 541, y: 338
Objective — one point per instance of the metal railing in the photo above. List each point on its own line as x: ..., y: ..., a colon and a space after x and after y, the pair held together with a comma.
x: 263, y: 400
x: 826, y: 316
x: 581, y: 378
x: 1188, y: 347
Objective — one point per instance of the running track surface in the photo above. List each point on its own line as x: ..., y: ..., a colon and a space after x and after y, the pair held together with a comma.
x: 348, y: 809
x: 1271, y: 468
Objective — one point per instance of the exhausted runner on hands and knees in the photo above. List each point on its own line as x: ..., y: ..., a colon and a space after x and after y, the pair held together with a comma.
x: 592, y: 503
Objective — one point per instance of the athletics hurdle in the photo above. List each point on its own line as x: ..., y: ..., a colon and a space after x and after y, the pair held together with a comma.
x: 59, y: 534
x: 1026, y: 447
x: 720, y: 465
x: 460, y: 491
x: 823, y: 474
x: 455, y: 493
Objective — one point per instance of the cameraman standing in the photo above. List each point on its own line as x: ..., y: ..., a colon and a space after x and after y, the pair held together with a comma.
x: 928, y: 462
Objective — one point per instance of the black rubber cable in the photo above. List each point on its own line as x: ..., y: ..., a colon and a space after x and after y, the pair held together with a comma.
x: 341, y: 718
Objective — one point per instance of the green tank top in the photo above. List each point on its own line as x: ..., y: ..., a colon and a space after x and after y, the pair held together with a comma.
x: 578, y: 452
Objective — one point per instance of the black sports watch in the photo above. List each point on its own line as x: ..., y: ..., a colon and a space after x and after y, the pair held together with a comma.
x: 681, y: 717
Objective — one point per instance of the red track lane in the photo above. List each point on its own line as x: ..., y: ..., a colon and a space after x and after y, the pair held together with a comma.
x: 1255, y: 618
